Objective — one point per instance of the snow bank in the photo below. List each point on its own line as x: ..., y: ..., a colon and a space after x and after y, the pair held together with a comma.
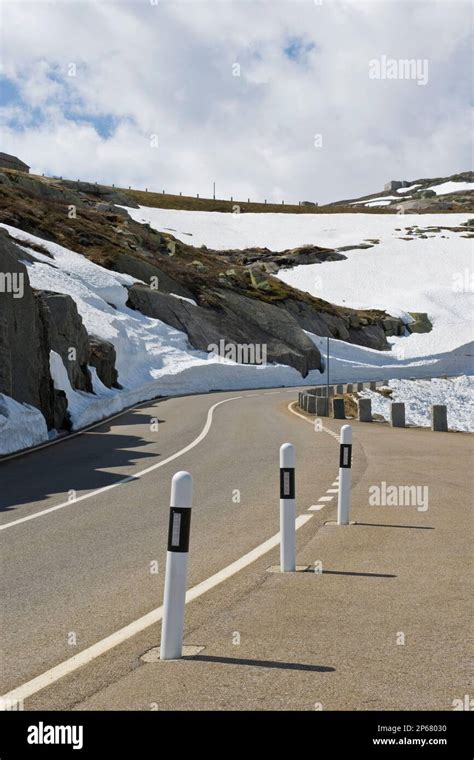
x: 451, y: 187
x: 380, y: 202
x: 384, y: 201
x: 407, y: 189
x: 21, y: 426
x: 419, y: 395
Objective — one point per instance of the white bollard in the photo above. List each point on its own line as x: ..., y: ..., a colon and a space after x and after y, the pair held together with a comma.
x: 345, y: 464
x: 176, y: 566
x: 287, y: 509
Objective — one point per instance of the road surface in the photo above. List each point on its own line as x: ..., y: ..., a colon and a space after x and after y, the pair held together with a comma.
x: 84, y: 529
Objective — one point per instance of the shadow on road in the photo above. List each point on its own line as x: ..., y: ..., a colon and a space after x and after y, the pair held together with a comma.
x: 38, y: 476
x: 382, y: 525
x: 264, y: 663
x: 362, y: 575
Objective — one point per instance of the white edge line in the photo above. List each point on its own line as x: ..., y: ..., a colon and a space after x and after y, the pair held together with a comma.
x: 101, y: 647
x: 128, y: 478
x: 301, y: 416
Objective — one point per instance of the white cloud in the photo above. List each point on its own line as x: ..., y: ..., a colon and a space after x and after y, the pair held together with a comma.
x: 166, y: 69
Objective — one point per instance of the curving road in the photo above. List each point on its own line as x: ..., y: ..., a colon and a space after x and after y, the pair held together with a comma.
x: 83, y: 524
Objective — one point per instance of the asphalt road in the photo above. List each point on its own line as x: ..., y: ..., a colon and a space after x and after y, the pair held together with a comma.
x: 76, y: 574
x: 86, y: 568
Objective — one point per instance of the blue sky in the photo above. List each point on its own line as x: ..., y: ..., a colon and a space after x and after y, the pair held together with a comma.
x: 180, y: 94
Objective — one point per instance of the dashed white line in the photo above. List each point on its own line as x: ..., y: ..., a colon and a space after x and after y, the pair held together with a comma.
x: 326, y: 498
x: 332, y: 490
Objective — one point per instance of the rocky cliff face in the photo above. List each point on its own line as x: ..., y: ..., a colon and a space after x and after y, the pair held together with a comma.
x: 68, y: 337
x: 24, y: 354
x: 32, y: 323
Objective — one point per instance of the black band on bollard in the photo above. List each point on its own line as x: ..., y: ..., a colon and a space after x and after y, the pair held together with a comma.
x: 345, y: 455
x: 287, y: 482
x: 179, y: 529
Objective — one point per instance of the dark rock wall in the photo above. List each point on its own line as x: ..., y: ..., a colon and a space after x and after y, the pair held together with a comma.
x: 30, y: 327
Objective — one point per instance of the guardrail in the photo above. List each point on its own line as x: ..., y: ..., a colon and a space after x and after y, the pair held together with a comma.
x: 321, y: 401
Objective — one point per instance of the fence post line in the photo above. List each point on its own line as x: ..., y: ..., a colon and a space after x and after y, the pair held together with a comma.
x: 287, y: 509
x: 345, y: 465
x: 176, y: 566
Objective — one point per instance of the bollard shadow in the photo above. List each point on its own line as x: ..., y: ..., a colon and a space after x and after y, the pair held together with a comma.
x: 361, y: 575
x: 264, y: 663
x: 383, y: 525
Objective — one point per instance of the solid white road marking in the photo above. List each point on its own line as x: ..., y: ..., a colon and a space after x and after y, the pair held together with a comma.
x: 91, y: 653
x: 128, y: 478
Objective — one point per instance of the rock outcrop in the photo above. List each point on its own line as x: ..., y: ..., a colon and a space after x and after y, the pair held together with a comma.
x: 68, y: 337
x: 149, y: 273
x: 421, y: 323
x: 32, y: 323
x: 103, y: 357
x: 350, y: 327
x: 236, y: 319
x: 24, y: 349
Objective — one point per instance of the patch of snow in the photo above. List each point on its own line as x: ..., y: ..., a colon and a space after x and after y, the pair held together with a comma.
x: 21, y: 426
x: 407, y: 189
x: 183, y: 298
x: 451, y: 187
x: 419, y: 395
x: 383, y: 201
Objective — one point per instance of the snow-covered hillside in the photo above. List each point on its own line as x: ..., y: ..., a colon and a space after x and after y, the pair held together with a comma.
x: 432, y: 274
x: 155, y: 359
x: 282, y: 231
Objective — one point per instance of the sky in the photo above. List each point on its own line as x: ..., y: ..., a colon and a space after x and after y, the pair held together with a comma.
x: 269, y: 99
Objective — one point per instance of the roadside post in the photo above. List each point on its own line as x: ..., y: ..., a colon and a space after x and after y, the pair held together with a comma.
x: 345, y: 465
x: 287, y: 509
x: 176, y: 566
